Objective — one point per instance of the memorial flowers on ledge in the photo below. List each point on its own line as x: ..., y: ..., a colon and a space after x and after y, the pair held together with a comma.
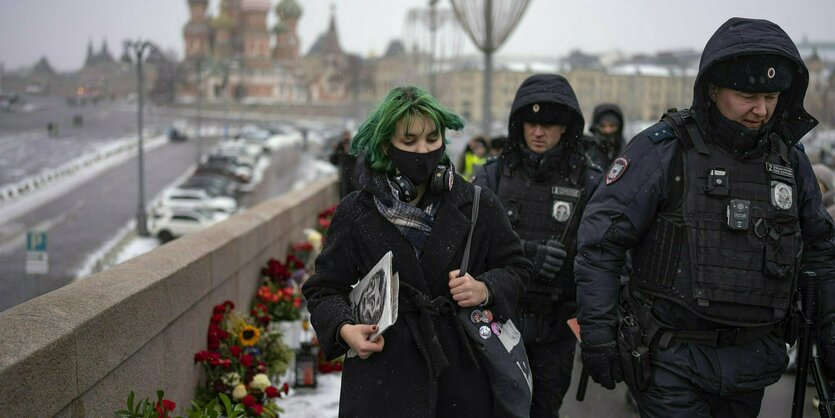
x: 238, y: 361
x: 280, y: 291
x: 325, y: 218
x: 145, y: 408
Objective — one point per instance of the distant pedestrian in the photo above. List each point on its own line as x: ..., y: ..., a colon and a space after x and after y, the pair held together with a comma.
x: 826, y: 182
x: 347, y: 164
x: 606, y: 140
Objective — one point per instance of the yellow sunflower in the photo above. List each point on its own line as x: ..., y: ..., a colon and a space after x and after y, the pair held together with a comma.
x: 249, y: 335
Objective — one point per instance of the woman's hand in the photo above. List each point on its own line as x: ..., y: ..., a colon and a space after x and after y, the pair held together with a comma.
x: 466, y: 290
x: 357, y: 337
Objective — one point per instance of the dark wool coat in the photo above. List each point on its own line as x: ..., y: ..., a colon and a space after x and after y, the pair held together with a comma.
x: 401, y: 380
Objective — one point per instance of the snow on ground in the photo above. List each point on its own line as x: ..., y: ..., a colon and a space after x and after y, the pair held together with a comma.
x: 321, y: 402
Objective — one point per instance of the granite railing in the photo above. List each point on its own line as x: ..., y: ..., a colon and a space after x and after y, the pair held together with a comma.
x: 78, y: 351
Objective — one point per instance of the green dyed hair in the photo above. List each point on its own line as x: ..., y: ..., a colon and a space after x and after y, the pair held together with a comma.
x: 404, y: 102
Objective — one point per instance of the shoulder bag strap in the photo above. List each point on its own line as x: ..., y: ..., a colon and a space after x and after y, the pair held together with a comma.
x: 466, y: 259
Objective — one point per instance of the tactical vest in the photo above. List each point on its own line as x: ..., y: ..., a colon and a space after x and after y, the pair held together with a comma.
x: 730, y: 252
x: 541, y: 211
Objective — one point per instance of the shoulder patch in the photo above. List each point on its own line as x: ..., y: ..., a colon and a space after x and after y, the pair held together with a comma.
x: 659, y: 132
x: 617, y: 169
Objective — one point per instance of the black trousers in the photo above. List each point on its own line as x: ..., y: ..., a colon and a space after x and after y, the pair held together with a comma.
x: 551, y: 366
x: 690, y: 380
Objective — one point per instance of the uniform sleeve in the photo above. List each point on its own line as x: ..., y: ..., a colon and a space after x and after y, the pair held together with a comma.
x: 818, y: 233
x: 327, y: 290
x: 487, y: 176
x: 614, y: 221
x: 508, y: 271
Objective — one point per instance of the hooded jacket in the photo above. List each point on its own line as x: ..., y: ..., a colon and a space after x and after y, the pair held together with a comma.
x: 542, y: 88
x: 622, y: 211
x: 599, y: 147
x: 740, y: 37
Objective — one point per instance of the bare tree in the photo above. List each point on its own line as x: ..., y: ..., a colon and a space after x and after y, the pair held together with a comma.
x: 489, y: 23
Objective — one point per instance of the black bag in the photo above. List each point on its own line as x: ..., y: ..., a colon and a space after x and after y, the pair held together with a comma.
x: 500, y: 348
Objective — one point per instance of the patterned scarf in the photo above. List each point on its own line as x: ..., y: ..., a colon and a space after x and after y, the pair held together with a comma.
x: 414, y: 223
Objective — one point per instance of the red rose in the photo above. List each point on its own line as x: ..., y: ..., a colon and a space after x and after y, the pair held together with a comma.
x: 219, y: 309
x: 217, y: 318
x: 297, y: 302
x: 324, y: 223
x: 229, y: 304
x: 235, y: 350
x: 257, y: 409
x: 214, y: 345
x: 271, y: 391
x: 286, y: 388
x: 168, y: 405
x: 246, y: 360
x: 226, y: 363
x: 199, y: 356
x: 248, y: 400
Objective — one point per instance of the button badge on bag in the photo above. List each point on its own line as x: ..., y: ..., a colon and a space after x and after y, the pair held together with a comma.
x: 496, y: 328
x: 484, y: 332
x: 475, y: 316
x: 488, y: 316
x: 561, y: 211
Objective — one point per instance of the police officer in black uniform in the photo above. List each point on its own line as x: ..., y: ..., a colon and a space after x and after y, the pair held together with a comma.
x: 721, y: 211
x: 543, y: 181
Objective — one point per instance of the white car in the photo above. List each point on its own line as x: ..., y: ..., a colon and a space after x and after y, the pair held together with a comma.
x: 283, y: 136
x: 194, y: 198
x: 167, y: 224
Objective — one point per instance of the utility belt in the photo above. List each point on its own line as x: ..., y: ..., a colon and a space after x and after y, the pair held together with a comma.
x: 640, y: 332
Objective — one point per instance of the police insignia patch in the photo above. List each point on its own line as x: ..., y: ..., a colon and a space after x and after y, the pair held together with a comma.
x: 616, y: 170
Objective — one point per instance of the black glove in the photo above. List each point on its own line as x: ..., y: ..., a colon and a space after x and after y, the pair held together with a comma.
x: 603, y: 363
x: 547, y: 258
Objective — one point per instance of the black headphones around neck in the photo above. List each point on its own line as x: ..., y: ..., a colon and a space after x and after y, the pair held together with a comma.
x: 439, y: 183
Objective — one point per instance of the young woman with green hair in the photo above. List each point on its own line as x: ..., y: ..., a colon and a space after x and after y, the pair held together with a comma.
x: 413, y: 204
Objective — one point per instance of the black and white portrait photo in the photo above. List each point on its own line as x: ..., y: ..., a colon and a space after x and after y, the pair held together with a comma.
x: 369, y: 308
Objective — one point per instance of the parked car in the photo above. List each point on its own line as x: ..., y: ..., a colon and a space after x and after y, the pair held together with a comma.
x: 167, y: 224
x: 223, y: 169
x: 213, y: 184
x: 176, y: 135
x: 197, y: 198
x: 283, y: 136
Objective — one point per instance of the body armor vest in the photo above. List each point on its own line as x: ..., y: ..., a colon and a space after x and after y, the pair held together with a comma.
x: 730, y: 252
x: 545, y: 210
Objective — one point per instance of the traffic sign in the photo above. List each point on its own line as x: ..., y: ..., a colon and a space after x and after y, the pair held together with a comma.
x: 37, y: 259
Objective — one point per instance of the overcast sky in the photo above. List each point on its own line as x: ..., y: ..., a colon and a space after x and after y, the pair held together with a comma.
x: 61, y: 29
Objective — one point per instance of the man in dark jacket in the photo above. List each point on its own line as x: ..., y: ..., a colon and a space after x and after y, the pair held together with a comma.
x: 606, y: 139
x: 543, y: 181
x: 721, y: 210
x: 349, y: 167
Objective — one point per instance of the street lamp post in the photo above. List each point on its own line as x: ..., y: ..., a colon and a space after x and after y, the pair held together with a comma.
x: 139, y: 48
x: 199, y: 134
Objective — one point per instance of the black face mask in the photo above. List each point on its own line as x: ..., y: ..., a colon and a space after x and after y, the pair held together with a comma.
x: 416, y: 166
x: 734, y: 136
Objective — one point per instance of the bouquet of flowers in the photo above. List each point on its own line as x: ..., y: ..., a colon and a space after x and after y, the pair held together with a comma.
x: 239, y: 360
x: 280, y: 293
x: 146, y: 408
